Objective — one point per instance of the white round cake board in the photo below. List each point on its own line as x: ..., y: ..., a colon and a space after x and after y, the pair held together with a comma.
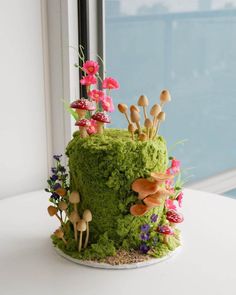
x: 120, y: 266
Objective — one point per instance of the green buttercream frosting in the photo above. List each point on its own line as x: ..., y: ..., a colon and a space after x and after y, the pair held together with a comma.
x: 102, y: 169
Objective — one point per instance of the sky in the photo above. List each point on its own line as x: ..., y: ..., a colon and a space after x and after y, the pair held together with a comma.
x: 130, y: 7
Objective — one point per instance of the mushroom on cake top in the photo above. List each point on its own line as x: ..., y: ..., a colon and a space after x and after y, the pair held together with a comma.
x: 101, y: 119
x: 82, y: 106
x: 174, y: 217
x: 83, y: 125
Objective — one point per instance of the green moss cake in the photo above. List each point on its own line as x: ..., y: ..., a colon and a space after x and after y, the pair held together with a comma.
x: 117, y: 202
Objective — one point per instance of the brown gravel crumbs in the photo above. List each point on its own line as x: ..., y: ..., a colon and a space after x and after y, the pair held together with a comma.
x: 125, y: 257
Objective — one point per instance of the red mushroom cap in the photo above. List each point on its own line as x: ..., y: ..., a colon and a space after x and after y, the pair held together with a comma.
x: 165, y: 230
x: 83, y: 123
x: 83, y: 104
x: 174, y: 217
x: 101, y: 117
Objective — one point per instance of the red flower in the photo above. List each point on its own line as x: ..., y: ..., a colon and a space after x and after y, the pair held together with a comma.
x: 88, y: 80
x: 90, y: 67
x: 96, y: 95
x: 180, y: 198
x: 170, y: 204
x: 110, y: 83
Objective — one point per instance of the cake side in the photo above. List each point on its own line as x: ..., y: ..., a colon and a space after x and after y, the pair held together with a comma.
x: 102, y: 169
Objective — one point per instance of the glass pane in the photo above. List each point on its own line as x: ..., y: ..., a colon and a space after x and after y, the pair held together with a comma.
x: 188, y: 47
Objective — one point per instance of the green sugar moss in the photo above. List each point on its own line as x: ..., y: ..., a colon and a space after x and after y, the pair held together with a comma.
x: 102, y: 168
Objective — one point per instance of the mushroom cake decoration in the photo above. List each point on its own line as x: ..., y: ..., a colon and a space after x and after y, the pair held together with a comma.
x: 116, y: 197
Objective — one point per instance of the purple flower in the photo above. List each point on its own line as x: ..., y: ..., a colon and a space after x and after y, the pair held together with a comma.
x: 154, y: 217
x: 145, y: 228
x: 54, y: 177
x: 54, y: 196
x: 144, y: 248
x: 56, y: 186
x: 57, y: 157
x: 54, y: 170
x: 144, y: 236
x: 62, y: 169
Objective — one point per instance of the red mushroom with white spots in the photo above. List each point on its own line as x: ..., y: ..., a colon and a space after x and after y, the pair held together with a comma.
x: 83, y: 125
x: 82, y: 106
x: 166, y: 231
x: 101, y: 118
x: 174, y: 217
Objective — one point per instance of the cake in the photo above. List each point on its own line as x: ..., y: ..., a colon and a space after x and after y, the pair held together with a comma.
x: 118, y: 201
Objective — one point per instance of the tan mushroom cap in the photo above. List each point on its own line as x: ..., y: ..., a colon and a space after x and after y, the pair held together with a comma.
x: 144, y: 187
x: 122, y: 107
x: 161, y: 116
x: 148, y: 123
x: 131, y: 127
x: 165, y: 96
x: 59, y: 233
x: 134, y: 108
x: 153, y: 200
x: 61, y: 191
x: 62, y: 206
x: 134, y: 116
x: 155, y: 110
x: 161, y: 177
x: 143, y: 101
x: 138, y: 209
x: 81, y: 225
x: 52, y: 210
x: 143, y: 137
x: 87, y: 215
x: 162, y: 192
x: 74, y: 197
x: 74, y: 217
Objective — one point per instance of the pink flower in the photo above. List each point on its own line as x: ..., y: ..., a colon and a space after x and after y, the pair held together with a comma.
x: 170, y: 204
x: 88, y: 80
x: 110, y: 83
x: 90, y: 67
x: 175, y: 166
x: 96, y: 95
x: 107, y: 104
x: 180, y: 199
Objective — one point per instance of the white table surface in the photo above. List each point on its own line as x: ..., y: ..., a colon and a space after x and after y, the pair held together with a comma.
x: 206, y: 265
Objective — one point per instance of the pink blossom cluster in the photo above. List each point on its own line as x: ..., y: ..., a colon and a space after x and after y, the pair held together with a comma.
x: 174, y: 169
x: 90, y: 69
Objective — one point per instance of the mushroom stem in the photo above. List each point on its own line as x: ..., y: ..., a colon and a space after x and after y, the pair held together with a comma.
x: 59, y: 218
x: 157, y: 129
x: 100, y: 127
x: 127, y: 117
x: 145, y: 112
x: 87, y: 235
x: 80, y: 241
x: 81, y: 113
x: 75, y: 232
x: 83, y: 132
x: 165, y: 239
x: 75, y: 207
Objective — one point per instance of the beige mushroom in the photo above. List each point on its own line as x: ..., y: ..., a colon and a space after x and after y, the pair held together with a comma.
x: 143, y: 102
x: 161, y: 118
x: 155, y: 110
x: 81, y: 227
x: 60, y: 234
x: 87, y: 217
x: 148, y: 125
x: 123, y: 109
x: 143, y: 137
x: 134, y: 108
x: 74, y: 218
x: 165, y: 96
x: 74, y: 199
x: 52, y: 211
x: 63, y: 207
x: 131, y: 129
x: 144, y: 187
x: 135, y: 118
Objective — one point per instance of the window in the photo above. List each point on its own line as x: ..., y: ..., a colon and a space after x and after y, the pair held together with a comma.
x: 188, y: 47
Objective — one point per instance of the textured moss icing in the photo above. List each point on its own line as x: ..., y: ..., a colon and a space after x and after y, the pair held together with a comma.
x: 102, y: 168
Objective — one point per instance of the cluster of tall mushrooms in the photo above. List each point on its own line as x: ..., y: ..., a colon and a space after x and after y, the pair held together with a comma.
x: 71, y: 213
x: 151, y: 125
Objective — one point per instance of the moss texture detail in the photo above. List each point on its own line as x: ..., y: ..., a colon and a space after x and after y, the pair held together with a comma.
x: 102, y: 168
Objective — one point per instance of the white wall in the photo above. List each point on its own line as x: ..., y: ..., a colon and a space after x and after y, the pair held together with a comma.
x: 23, y: 145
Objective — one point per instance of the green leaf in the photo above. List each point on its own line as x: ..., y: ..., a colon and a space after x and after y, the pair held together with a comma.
x: 70, y: 110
